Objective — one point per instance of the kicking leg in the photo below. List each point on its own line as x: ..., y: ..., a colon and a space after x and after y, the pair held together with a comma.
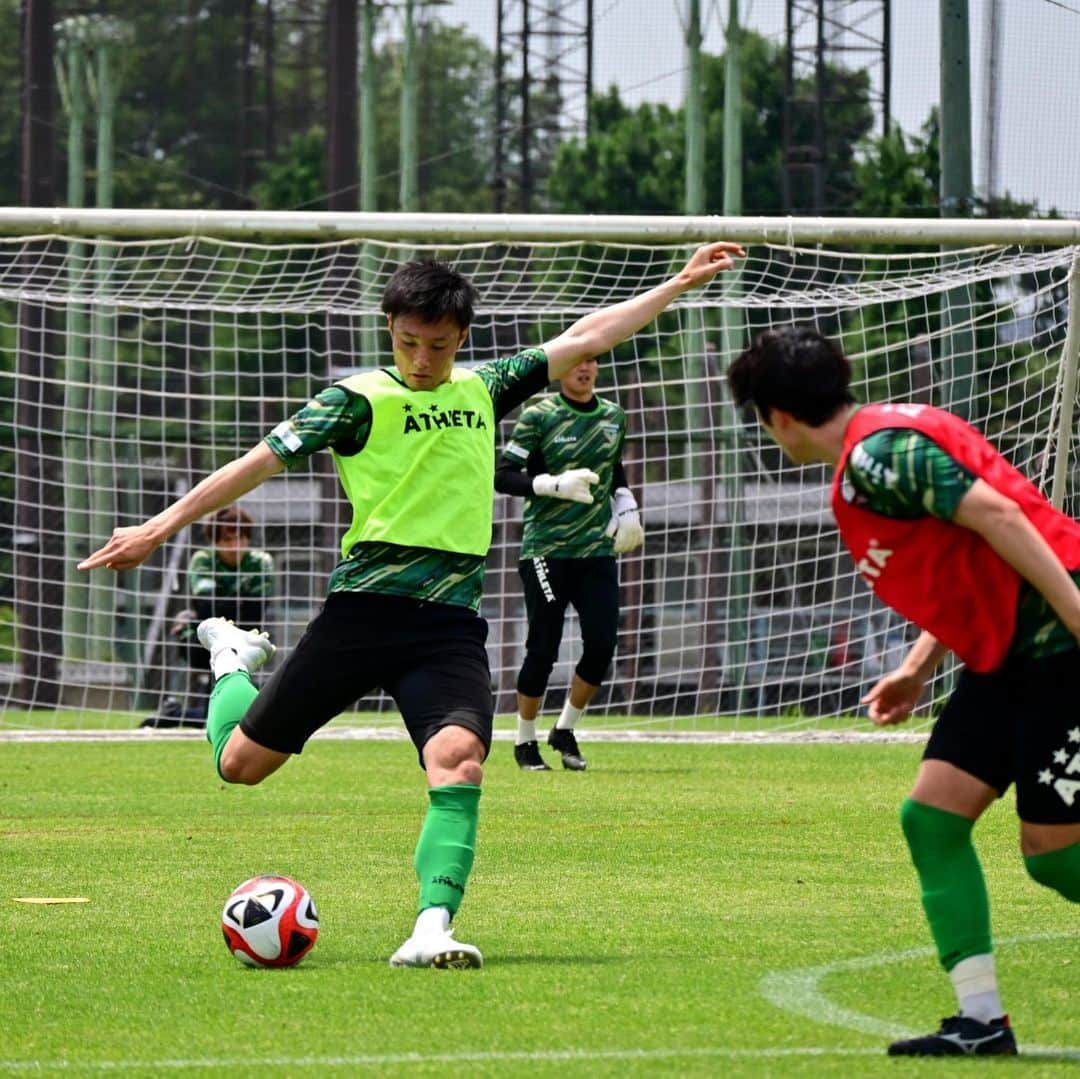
x: 234, y: 655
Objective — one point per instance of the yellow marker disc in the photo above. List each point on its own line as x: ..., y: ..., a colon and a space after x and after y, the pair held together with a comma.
x: 45, y: 900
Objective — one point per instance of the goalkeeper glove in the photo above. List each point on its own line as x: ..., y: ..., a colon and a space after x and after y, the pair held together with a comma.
x: 571, y: 485
x: 625, y: 524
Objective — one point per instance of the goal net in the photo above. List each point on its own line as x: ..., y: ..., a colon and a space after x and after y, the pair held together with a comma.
x: 132, y: 367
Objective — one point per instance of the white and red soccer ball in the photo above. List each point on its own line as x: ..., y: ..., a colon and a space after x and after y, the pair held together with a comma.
x: 270, y: 922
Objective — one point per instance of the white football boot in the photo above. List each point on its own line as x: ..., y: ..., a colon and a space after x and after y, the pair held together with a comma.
x: 251, y: 647
x: 432, y: 944
x: 437, y: 949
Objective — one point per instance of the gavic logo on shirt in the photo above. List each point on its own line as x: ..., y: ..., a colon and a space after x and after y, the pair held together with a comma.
x: 435, y: 418
x: 872, y: 564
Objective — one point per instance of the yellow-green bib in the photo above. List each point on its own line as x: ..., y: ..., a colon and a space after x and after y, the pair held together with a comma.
x: 425, y: 477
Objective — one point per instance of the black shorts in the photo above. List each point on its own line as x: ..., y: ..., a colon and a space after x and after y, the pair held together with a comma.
x: 591, y: 587
x: 1020, y: 724
x: 429, y: 657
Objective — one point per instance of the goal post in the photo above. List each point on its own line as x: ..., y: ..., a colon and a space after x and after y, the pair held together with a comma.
x: 143, y: 349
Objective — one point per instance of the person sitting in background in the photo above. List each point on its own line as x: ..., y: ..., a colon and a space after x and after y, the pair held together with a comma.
x: 226, y: 579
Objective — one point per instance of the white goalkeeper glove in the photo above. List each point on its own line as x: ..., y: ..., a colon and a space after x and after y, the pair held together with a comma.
x: 625, y: 524
x: 571, y: 485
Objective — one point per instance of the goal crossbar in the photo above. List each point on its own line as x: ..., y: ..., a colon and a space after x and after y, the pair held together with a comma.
x: 313, y: 226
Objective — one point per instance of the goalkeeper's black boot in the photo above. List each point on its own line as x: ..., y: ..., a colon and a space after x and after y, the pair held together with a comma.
x: 527, y: 755
x: 960, y: 1035
x: 565, y: 742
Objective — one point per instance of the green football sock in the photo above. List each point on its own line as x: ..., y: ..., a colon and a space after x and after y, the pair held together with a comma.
x: 447, y: 845
x: 953, y: 889
x: 230, y: 699
x: 1058, y: 869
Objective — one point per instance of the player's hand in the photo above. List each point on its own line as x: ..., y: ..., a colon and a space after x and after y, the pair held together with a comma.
x: 893, y: 699
x: 708, y: 260
x: 625, y: 528
x: 127, y: 548
x: 571, y: 485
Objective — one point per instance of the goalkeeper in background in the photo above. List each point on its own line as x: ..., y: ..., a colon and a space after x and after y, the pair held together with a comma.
x: 950, y: 535
x: 414, y: 445
x: 565, y: 458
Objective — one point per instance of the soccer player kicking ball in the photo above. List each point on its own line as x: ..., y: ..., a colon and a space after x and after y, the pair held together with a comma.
x: 414, y: 446
x: 954, y: 538
x: 565, y: 458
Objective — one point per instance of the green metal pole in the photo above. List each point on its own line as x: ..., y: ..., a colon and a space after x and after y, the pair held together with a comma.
x: 409, y: 154
x: 733, y: 135
x: 78, y: 540
x: 369, y: 86
x: 737, y: 599
x: 693, y: 318
x: 695, y: 114
x: 106, y: 473
x: 1070, y: 361
x: 699, y: 455
x: 956, y: 196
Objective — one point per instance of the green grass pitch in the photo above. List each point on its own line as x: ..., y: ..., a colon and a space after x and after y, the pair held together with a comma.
x: 673, y: 911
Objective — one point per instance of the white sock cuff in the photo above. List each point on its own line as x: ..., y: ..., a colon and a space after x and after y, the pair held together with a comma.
x: 227, y: 661
x: 526, y: 731
x: 569, y: 716
x: 976, y: 974
x: 432, y: 920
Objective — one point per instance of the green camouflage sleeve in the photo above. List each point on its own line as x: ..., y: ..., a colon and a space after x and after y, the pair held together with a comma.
x: 905, y: 474
x: 524, y: 438
x: 333, y: 416
x: 514, y: 379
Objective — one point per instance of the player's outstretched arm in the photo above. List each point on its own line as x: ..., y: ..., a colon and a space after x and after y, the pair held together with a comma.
x: 602, y: 330
x: 127, y: 547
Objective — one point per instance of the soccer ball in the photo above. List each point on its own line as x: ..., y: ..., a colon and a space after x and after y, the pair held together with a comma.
x: 270, y: 922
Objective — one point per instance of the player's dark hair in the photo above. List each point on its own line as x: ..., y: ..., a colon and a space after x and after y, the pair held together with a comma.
x: 795, y: 369
x: 228, y: 519
x: 432, y: 291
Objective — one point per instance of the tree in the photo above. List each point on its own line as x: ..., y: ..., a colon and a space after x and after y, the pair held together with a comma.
x: 634, y: 160
x: 456, y: 105
x: 898, y: 175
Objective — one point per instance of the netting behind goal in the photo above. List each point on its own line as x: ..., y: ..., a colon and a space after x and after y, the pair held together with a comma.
x: 130, y: 369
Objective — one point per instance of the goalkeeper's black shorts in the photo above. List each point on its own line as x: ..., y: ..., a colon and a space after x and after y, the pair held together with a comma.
x: 1018, y: 724
x: 429, y: 657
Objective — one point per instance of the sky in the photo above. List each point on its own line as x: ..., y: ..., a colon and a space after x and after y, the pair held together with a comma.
x: 638, y: 46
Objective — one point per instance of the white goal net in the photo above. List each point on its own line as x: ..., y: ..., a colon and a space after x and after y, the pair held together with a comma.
x: 132, y: 367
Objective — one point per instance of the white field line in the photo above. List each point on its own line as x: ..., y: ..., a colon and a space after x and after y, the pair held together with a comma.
x: 398, y: 734
x: 383, y: 1060
x: 540, y: 1056
x: 799, y: 991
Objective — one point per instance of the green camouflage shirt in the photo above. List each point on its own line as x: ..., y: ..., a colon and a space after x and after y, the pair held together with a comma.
x: 555, y: 435
x: 342, y: 420
x: 210, y: 575
x: 905, y: 474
